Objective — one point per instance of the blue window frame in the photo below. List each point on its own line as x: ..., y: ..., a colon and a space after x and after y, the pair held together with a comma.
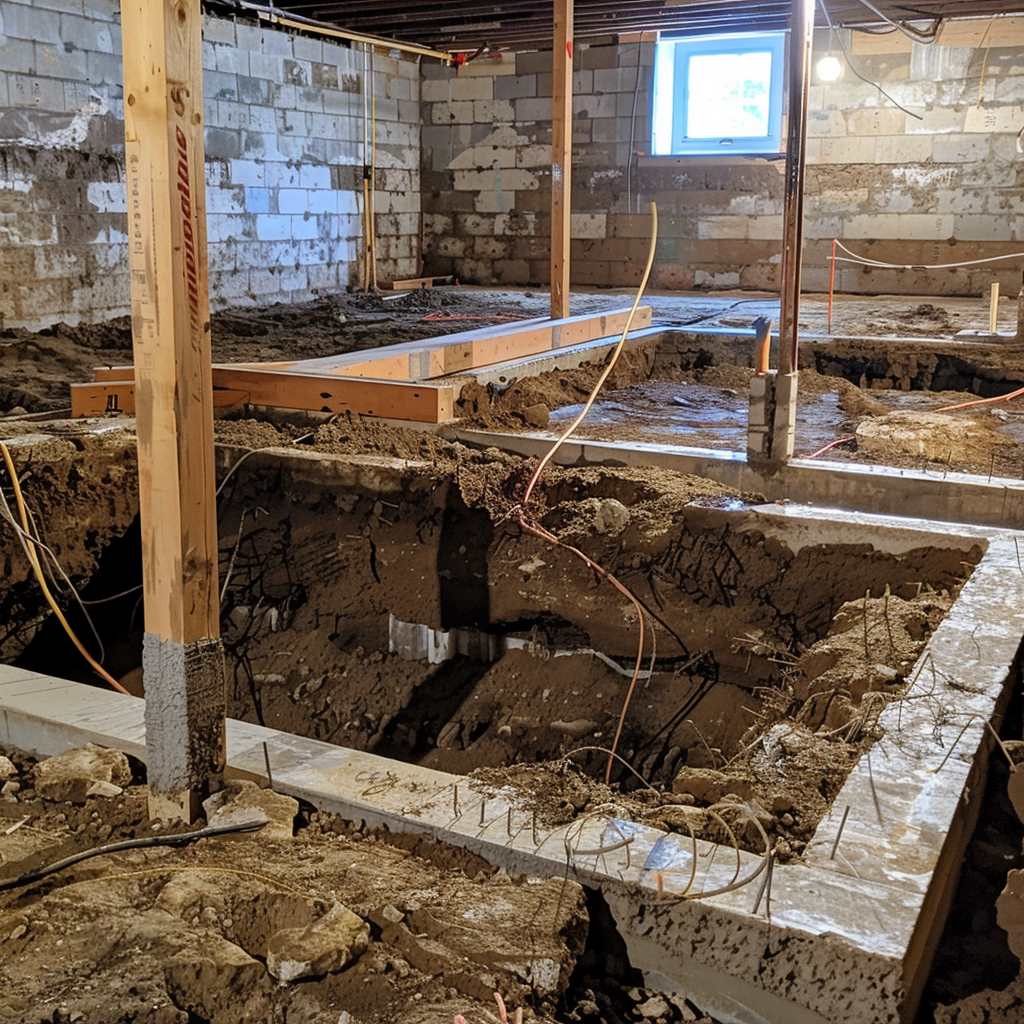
x: 718, y: 94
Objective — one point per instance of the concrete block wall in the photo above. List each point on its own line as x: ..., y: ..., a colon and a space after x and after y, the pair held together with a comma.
x: 284, y: 117
x: 942, y: 187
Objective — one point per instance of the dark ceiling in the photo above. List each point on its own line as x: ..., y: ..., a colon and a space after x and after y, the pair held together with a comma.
x: 527, y: 23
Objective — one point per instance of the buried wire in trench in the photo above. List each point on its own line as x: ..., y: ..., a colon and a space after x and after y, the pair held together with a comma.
x: 30, y: 543
x: 529, y: 525
x: 180, y: 839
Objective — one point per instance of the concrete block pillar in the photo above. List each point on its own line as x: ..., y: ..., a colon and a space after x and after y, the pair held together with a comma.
x: 771, y: 423
x: 784, y: 428
x: 761, y: 417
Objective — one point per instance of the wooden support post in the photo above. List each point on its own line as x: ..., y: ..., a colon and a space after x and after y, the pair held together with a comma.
x: 993, y: 308
x: 561, y: 158
x: 182, y: 658
x: 800, y: 39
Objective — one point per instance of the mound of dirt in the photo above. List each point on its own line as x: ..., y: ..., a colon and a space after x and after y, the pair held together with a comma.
x: 930, y: 436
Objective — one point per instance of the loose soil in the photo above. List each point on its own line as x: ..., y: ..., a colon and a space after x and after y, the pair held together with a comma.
x: 169, y: 936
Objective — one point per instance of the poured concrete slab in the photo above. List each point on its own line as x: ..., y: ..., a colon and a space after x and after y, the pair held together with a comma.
x: 844, y: 935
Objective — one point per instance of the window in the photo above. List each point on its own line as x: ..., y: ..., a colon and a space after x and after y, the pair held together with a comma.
x: 718, y: 94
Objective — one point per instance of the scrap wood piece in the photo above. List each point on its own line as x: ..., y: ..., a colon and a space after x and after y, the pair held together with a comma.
x: 405, y: 283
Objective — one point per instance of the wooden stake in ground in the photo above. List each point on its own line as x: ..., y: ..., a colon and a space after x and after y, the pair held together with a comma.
x: 561, y: 158
x: 993, y: 308
x: 182, y: 661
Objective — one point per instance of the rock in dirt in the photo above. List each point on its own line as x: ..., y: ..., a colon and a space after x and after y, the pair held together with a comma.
x: 70, y: 776
x: 244, y: 801
x: 612, y: 516
x: 329, y: 944
x: 1010, y: 912
x: 536, y: 415
x: 654, y: 1008
x: 7, y: 769
x: 928, y: 435
x: 708, y: 786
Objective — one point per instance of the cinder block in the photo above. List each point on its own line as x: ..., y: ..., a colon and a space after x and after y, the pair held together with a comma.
x: 17, y: 55
x: 532, y: 62
x: 247, y: 172
x: 492, y: 111
x: 86, y: 33
x: 512, y: 87
x: 594, y: 106
x: 532, y: 110
x: 452, y: 113
x: 949, y: 149
x: 903, y: 149
x: 495, y: 202
x: 28, y: 22
x: 219, y: 30
x: 271, y: 226
x: 479, y: 88
x: 58, y: 62
x: 880, y: 121
x: 39, y: 93
x: 233, y: 60
x: 218, y: 85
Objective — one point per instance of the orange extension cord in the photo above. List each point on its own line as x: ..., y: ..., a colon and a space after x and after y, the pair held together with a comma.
x: 30, y: 548
x: 529, y: 526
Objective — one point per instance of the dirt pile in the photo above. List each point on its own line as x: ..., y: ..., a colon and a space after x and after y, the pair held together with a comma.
x: 529, y: 401
x: 223, y: 929
x: 930, y: 436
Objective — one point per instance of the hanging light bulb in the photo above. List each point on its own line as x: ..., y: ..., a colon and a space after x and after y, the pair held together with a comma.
x: 829, y: 68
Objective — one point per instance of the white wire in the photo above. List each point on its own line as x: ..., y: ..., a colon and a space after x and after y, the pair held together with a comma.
x: 920, y: 266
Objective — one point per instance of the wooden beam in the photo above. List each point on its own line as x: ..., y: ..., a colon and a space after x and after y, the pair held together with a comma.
x: 108, y: 397
x: 182, y: 660
x: 286, y: 389
x: 466, y: 350
x: 418, y: 282
x: 561, y: 158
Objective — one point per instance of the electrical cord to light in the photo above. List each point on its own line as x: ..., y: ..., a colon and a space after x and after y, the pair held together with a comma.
x: 852, y: 67
x: 30, y: 542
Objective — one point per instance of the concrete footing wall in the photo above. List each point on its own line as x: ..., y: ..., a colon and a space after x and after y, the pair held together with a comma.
x: 941, y: 183
x: 284, y: 117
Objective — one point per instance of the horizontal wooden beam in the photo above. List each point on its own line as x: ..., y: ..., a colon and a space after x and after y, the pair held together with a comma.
x: 285, y: 389
x: 418, y: 282
x: 469, y: 350
x: 118, y: 396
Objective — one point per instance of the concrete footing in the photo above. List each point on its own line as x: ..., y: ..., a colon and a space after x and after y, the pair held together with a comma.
x: 185, y: 711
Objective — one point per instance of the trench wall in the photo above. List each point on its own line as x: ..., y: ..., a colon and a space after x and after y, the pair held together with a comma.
x: 942, y: 189
x: 283, y: 163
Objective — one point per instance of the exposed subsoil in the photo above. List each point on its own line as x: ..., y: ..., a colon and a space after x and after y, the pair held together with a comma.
x: 36, y: 367
x: 707, y: 408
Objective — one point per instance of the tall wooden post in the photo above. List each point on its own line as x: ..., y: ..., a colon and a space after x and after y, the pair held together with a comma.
x: 801, y: 38
x: 561, y: 158
x: 182, y: 659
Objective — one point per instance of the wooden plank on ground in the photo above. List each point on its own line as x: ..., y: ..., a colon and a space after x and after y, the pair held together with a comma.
x: 405, y: 283
x: 287, y: 389
x: 561, y: 157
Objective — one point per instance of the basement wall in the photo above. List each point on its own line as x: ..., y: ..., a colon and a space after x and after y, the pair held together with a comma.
x: 943, y: 189
x: 283, y: 164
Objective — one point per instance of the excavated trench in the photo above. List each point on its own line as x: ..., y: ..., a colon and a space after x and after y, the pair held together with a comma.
x: 395, y: 605
x: 423, y: 624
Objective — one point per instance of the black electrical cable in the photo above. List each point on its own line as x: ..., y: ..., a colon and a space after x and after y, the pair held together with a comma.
x: 863, y: 78
x: 181, y: 839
